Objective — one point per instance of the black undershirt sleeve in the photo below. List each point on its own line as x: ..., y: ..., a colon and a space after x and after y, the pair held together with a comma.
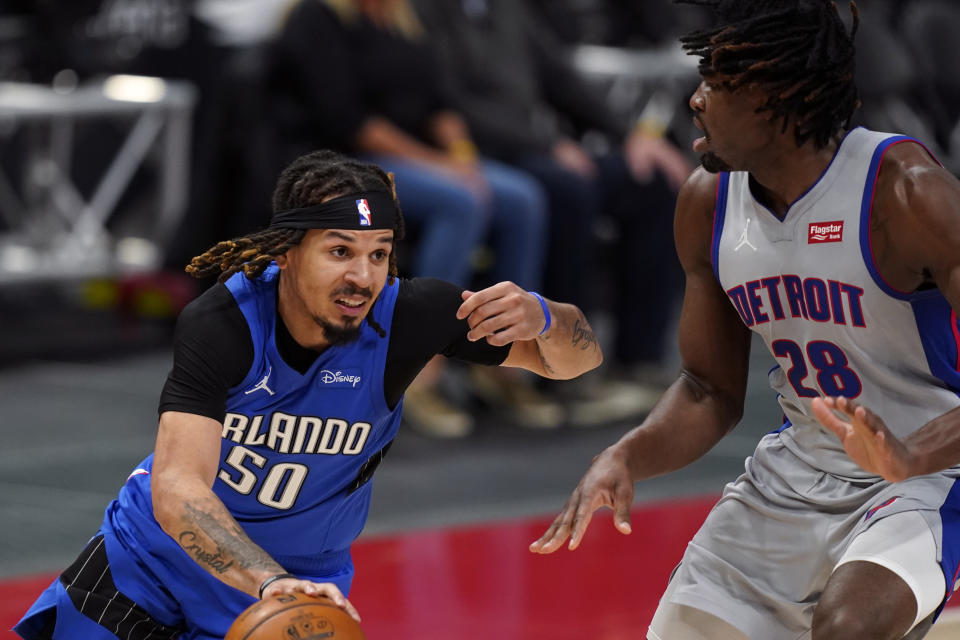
x: 212, y: 353
x: 424, y: 324
x: 213, y: 350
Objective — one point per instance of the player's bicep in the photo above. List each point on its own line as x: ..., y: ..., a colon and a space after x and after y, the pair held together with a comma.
x: 187, y: 450
x: 714, y: 343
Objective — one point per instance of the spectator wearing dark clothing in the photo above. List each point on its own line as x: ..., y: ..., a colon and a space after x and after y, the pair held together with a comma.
x: 525, y: 105
x: 358, y: 76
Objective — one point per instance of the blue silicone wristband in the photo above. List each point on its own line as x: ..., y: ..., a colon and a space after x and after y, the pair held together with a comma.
x: 546, y: 311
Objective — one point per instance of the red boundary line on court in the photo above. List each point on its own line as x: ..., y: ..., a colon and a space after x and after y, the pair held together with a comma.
x: 473, y: 581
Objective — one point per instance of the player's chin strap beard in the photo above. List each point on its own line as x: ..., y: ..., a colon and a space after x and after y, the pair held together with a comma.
x: 333, y: 333
x: 368, y: 318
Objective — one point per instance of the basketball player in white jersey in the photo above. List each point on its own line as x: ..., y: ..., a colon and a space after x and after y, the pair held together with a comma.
x: 841, y: 249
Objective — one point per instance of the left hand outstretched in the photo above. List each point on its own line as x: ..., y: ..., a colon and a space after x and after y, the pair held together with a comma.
x: 502, y: 314
x: 865, y: 437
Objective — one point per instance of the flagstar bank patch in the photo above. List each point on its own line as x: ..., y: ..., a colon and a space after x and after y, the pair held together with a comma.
x: 825, y: 232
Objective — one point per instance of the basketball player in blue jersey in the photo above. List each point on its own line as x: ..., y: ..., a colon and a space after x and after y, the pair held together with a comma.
x: 841, y: 249
x: 285, y: 394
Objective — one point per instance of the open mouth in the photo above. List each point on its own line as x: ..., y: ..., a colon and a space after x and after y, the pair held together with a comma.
x: 351, y: 306
x: 352, y: 301
x: 700, y: 143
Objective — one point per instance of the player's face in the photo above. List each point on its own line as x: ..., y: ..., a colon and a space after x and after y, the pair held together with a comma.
x: 733, y: 130
x: 335, y: 276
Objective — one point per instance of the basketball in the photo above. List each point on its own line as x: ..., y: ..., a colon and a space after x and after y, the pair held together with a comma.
x: 297, y: 615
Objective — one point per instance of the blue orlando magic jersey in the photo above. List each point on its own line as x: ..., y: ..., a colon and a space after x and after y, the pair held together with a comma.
x: 294, y: 446
x: 809, y: 286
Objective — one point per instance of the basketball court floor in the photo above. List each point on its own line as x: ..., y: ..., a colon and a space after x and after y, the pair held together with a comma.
x: 444, y: 555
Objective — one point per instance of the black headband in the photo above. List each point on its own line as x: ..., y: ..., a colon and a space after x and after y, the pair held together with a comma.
x: 357, y: 211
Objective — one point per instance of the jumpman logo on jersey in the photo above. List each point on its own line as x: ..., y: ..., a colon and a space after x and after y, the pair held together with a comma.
x: 744, y: 239
x: 261, y: 385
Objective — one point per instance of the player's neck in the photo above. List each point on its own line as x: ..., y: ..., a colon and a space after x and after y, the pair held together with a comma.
x: 784, y: 174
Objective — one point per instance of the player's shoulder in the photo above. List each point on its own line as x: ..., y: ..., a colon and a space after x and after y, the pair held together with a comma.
x: 698, y: 195
x: 914, y: 186
x: 213, y: 315
x: 694, y: 219
x: 911, y: 168
x: 214, y: 301
x: 701, y: 184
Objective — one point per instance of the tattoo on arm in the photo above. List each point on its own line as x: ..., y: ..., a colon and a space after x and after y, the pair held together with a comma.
x: 215, y: 562
x: 231, y: 544
x: 543, y: 361
x: 583, y: 336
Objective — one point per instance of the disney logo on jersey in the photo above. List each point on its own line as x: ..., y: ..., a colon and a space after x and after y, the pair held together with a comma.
x: 820, y: 232
x: 349, y: 378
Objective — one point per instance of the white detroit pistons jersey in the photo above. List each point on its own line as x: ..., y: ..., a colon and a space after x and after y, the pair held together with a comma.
x: 809, y: 285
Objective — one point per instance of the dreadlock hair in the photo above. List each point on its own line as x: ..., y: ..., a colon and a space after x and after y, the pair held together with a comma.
x: 309, y: 180
x: 799, y: 50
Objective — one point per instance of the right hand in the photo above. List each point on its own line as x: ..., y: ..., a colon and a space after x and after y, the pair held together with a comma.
x: 607, y: 483
x: 316, y: 589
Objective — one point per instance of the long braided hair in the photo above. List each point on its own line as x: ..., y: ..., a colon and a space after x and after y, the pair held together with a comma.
x: 309, y: 180
x: 798, y: 50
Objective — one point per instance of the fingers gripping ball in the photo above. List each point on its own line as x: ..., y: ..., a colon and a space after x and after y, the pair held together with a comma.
x: 296, y: 615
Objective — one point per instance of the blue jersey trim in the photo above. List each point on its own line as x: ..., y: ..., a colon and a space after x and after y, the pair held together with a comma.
x: 244, y: 292
x: 950, y: 546
x: 836, y: 153
x: 261, y: 309
x: 719, y: 214
x: 866, y: 209
x: 382, y: 312
x: 786, y: 424
x: 937, y: 326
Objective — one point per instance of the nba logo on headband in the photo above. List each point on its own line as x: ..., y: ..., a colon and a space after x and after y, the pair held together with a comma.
x: 363, y: 208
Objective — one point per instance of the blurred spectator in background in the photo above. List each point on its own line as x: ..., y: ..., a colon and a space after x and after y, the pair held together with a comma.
x: 359, y: 76
x: 526, y: 105
x: 906, y: 61
x: 615, y: 23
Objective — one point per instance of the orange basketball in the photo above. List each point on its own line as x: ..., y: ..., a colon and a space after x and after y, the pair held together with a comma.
x: 294, y: 617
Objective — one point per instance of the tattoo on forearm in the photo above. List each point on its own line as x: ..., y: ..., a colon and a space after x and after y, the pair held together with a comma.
x: 232, y: 544
x: 543, y: 361
x: 583, y: 335
x: 214, y: 561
